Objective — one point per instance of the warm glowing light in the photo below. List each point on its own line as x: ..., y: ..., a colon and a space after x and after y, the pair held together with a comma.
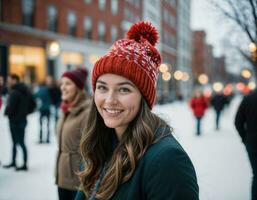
x: 253, y: 47
x: 240, y: 86
x: 72, y: 58
x: 163, y: 68
x: 217, y: 87
x: 185, y: 76
x: 252, y: 85
x: 178, y: 75
x: 203, y: 79
x: 228, y: 89
x: 93, y: 58
x: 166, y: 76
x: 246, y: 73
x: 53, y: 49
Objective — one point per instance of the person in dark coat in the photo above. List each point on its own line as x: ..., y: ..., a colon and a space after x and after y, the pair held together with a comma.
x: 55, y: 94
x: 43, y: 95
x: 246, y: 125
x: 16, y: 111
x: 129, y: 152
x: 219, y: 101
x: 199, y: 105
x: 1, y: 90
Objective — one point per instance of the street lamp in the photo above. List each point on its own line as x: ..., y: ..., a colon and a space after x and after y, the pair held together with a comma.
x: 252, y: 85
x: 163, y: 68
x: 253, y: 50
x: 53, y: 49
x: 185, y: 76
x: 246, y: 73
x: 203, y: 79
x: 217, y: 87
x: 178, y: 75
x: 166, y: 76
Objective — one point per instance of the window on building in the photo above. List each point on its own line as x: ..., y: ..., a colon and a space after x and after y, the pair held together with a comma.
x: 137, y: 3
x: 114, y: 33
x: 28, y: 12
x: 52, y: 18
x: 101, y: 31
x: 88, y: 1
x: 114, y: 6
x: 88, y: 27
x: 72, y: 23
x: 1, y: 11
x: 101, y: 4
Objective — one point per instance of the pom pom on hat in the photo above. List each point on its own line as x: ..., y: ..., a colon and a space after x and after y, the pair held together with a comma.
x: 134, y: 58
x: 143, y: 30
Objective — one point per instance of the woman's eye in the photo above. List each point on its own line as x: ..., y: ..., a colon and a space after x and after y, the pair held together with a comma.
x: 124, y: 90
x: 101, y: 87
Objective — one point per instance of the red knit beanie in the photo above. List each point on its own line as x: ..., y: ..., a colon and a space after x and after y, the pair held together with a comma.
x: 134, y: 58
x: 77, y: 76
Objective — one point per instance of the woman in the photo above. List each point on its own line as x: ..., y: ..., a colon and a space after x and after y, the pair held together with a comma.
x: 198, y: 104
x: 129, y: 152
x: 74, y: 108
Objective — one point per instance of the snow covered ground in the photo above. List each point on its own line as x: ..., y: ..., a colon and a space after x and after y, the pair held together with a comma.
x: 220, y: 159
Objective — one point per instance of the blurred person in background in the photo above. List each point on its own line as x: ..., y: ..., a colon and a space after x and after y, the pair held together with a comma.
x: 55, y: 95
x: 219, y: 101
x: 1, y: 90
x: 246, y: 125
x: 43, y: 95
x: 130, y: 153
x: 74, y: 107
x: 199, y: 105
x: 17, y: 111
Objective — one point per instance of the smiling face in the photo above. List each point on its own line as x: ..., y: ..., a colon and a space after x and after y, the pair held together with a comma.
x: 117, y: 100
x: 68, y: 89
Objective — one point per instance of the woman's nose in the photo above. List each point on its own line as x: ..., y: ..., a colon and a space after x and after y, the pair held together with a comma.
x: 111, y: 97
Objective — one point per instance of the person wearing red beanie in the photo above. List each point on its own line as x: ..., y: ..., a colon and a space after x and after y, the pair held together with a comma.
x: 129, y: 152
x: 74, y: 107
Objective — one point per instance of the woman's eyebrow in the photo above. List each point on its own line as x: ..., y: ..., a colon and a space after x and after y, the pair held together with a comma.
x: 119, y: 83
x: 126, y: 83
x: 102, y: 82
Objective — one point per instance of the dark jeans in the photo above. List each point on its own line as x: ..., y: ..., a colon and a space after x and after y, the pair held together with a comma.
x: 65, y: 194
x: 44, y: 114
x: 217, y: 119
x: 252, y: 154
x: 18, y: 132
x: 198, y: 125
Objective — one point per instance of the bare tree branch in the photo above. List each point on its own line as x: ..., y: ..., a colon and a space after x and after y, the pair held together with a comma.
x: 254, y: 10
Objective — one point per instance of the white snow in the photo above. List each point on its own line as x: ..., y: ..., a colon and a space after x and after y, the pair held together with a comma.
x: 219, y: 157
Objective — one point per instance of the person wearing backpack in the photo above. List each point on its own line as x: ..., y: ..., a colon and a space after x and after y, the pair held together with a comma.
x: 17, y: 111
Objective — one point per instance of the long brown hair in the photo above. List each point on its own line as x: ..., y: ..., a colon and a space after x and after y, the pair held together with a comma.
x: 97, y: 149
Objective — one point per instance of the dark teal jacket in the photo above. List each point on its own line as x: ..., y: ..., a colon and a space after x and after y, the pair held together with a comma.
x: 165, y: 172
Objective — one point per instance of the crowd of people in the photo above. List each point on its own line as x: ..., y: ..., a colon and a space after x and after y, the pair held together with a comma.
x: 200, y: 103
x: 111, y: 145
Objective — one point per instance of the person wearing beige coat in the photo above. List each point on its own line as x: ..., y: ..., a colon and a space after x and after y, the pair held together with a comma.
x: 75, y: 107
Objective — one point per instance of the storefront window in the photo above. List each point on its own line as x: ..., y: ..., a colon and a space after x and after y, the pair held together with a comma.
x: 72, y: 59
x: 28, y: 62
